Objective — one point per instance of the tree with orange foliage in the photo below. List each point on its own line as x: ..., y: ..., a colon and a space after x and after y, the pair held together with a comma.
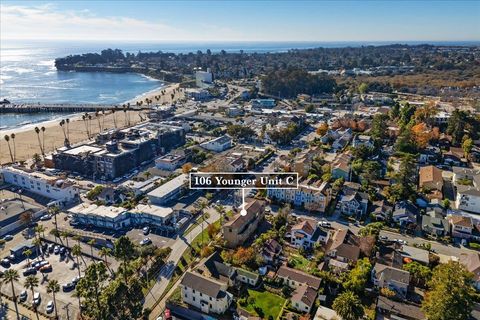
x: 186, y: 167
x: 322, y: 129
x: 426, y: 112
x: 421, y: 135
x: 243, y: 256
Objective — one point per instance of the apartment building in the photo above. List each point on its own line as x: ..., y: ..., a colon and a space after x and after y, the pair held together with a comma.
x: 237, y: 230
x: 314, y: 197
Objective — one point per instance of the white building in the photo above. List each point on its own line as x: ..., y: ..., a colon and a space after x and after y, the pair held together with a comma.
x: 203, y: 77
x: 218, y: 144
x: 362, y: 140
x: 169, y: 190
x: 306, y: 233
x: 467, y: 183
x: 62, y: 190
x: 206, y: 294
x: 315, y: 198
x: 170, y: 161
x: 116, y: 217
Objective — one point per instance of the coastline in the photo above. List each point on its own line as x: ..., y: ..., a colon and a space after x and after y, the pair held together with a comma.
x: 26, y: 140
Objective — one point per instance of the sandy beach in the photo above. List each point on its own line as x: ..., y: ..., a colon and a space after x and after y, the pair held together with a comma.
x: 26, y: 140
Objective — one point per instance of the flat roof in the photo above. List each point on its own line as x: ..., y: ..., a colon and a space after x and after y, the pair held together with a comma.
x: 153, y: 210
x: 168, y: 186
x: 93, y: 209
x: 83, y: 149
x: 14, y: 207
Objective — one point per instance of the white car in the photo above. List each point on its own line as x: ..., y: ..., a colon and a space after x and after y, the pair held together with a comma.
x: 8, y: 237
x: 50, y: 306
x: 36, y: 298
x: 401, y: 241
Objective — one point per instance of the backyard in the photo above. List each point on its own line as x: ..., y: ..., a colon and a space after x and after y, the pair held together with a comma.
x: 264, y: 304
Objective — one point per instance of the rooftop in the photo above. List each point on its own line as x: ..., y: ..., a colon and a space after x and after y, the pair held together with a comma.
x: 168, y: 186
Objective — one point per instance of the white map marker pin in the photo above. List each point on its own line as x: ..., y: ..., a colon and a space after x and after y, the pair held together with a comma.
x: 243, y: 212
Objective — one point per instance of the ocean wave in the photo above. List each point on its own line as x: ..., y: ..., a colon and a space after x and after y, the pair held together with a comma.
x: 18, y: 70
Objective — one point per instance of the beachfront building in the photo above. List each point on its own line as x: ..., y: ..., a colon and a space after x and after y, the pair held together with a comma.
x: 62, y: 190
x: 117, y: 152
x: 117, y: 217
x: 203, y: 78
x: 168, y: 191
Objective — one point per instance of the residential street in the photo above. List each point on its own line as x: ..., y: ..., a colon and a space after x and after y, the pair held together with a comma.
x: 178, y: 248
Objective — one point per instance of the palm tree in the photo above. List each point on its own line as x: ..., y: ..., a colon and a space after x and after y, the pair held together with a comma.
x: 11, y: 275
x: 77, y: 252
x: 7, y: 138
x: 65, y: 235
x: 114, y: 117
x: 91, y: 243
x: 31, y: 282
x: 38, y: 243
x: 90, y: 124
x: 37, y: 131
x: 97, y: 115
x: 84, y: 118
x: 103, y: 118
x: 43, y: 138
x: 53, y: 287
x: 27, y: 253
x: 125, y: 113
x: 147, y: 174
x: 54, y: 210
x: 348, y: 306
x: 62, y: 123
x: 68, y: 128
x: 104, y: 253
x: 14, y: 146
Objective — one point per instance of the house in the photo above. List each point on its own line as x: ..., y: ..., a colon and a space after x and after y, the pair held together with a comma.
x: 247, y: 277
x: 460, y: 226
x: 392, y: 309
x: 362, y: 140
x: 303, y: 161
x: 471, y: 261
x: 467, y: 185
x: 218, y: 144
x: 306, y: 233
x: 314, y: 197
x: 435, y: 225
x: 415, y: 254
x: 354, y: 204
x: 263, y: 103
x: 206, y: 294
x: 343, y: 246
x: 215, y: 268
x: 430, y: 178
x: 295, y: 278
x: 341, y: 167
x: 271, y: 251
x: 405, y: 213
x: 397, y: 280
x: 303, y: 298
x: 382, y: 210
x: 18, y: 251
x: 237, y: 230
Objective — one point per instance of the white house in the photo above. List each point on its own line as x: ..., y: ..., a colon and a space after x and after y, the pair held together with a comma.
x: 306, y: 233
x: 467, y: 183
x: 204, y: 293
x: 384, y: 276
x: 218, y: 144
x: 170, y: 161
x: 203, y: 77
x: 62, y: 190
x: 362, y: 140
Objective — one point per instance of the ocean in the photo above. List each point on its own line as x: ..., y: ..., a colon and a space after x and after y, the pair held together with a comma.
x: 28, y: 74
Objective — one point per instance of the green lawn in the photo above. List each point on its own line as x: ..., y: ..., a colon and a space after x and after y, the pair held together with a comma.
x: 198, y: 243
x: 301, y: 263
x: 270, y: 303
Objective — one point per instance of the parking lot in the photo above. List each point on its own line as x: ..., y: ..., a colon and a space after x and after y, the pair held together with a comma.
x: 62, y: 269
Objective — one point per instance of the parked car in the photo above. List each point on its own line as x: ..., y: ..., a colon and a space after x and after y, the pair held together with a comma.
x: 68, y: 286
x: 383, y: 238
x: 56, y: 250
x: 62, y: 250
x: 23, y: 296
x: 30, y: 271
x: 46, y: 268
x: 8, y: 237
x: 145, y: 241
x: 146, y: 230
x: 401, y: 241
x: 5, y: 263
x: 36, y: 298
x: 46, y: 217
x: 50, y: 248
x: 50, y: 307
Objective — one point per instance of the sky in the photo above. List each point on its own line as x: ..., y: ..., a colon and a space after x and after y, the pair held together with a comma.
x: 247, y: 20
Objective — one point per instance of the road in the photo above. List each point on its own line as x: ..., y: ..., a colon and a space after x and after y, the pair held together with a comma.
x: 178, y: 248
x: 7, y: 311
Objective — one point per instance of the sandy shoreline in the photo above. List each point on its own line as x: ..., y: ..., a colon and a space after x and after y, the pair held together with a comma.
x: 26, y: 140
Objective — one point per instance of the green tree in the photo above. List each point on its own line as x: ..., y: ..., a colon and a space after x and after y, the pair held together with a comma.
x: 363, y: 88
x: 420, y: 274
x: 467, y: 146
x: 451, y: 294
x: 379, y: 130
x: 90, y: 287
x: 357, y: 277
x: 348, y: 306
x: 125, y: 251
x: 31, y: 282
x: 77, y: 252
